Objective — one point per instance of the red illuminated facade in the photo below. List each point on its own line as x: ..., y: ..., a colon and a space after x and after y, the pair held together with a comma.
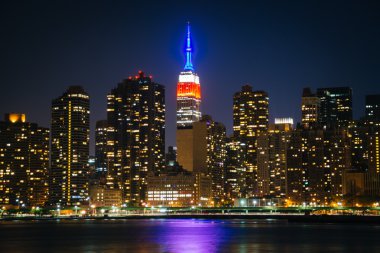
x: 189, y: 90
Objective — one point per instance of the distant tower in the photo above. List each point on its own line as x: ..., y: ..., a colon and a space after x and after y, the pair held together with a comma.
x: 335, y: 106
x: 310, y: 108
x: 372, y: 109
x: 70, y: 134
x: 188, y: 91
x: 101, y: 147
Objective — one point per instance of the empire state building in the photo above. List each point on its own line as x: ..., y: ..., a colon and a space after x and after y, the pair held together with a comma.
x: 188, y: 91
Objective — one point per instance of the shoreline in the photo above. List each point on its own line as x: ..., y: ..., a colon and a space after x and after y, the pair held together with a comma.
x: 338, y: 219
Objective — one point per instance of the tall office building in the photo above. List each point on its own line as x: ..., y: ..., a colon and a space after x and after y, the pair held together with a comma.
x: 335, y: 106
x: 374, y: 152
x: 70, y: 133
x: 316, y: 161
x: 310, y: 108
x: 250, y: 117
x: 296, y: 174
x: 201, y: 149
x: 136, y: 135
x: 358, y: 133
x: 188, y: 91
x: 235, y: 170
x: 216, y: 157
x: 271, y: 160
x: 24, y: 162
x: 101, y: 147
x: 372, y: 109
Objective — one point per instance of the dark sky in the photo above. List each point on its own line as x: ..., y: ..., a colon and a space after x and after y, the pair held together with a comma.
x: 276, y: 46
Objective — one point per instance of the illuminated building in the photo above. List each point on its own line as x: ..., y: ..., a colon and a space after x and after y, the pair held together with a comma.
x: 24, y: 162
x: 310, y: 108
x: 235, y: 171
x: 171, y: 190
x: 182, y: 189
x: 316, y: 161
x: 101, y: 147
x: 100, y: 195
x: 374, y: 152
x: 372, y: 109
x: 136, y: 135
x: 271, y: 160
x: 188, y: 91
x: 358, y: 133
x: 372, y: 177
x: 216, y: 157
x: 70, y: 133
x: 335, y: 106
x: 296, y: 174
x: 201, y: 149
x: 250, y: 117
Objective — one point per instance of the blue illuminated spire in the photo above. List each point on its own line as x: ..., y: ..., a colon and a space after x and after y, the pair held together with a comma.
x: 189, y: 64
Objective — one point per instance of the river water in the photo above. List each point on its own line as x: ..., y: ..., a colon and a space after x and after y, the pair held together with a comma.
x: 185, y: 235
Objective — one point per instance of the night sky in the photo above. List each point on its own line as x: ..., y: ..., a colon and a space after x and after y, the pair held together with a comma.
x: 276, y: 46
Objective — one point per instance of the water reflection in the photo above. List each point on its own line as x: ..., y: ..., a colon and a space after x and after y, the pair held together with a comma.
x: 190, y: 236
x: 185, y: 235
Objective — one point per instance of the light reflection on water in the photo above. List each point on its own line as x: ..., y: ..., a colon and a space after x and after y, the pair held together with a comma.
x: 185, y: 235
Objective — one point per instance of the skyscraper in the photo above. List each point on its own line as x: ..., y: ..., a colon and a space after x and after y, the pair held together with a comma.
x: 235, y: 170
x: 70, y: 133
x: 372, y: 109
x: 271, y: 160
x: 24, y: 162
x: 101, y: 147
x: 136, y: 135
x: 335, y: 106
x: 216, y: 157
x: 250, y: 117
x: 310, y: 108
x: 188, y: 91
x: 201, y: 149
x: 317, y: 160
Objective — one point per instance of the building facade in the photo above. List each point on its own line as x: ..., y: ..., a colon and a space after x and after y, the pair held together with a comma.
x: 70, y: 133
x: 24, y: 162
x: 235, y: 185
x: 101, y: 133
x: 309, y: 108
x: 272, y: 162
x: 136, y: 136
x: 250, y: 118
x: 335, y: 106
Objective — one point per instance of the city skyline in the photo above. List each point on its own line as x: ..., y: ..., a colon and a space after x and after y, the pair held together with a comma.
x: 278, y: 57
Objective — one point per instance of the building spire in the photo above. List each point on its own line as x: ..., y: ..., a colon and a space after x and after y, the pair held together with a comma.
x: 189, y: 64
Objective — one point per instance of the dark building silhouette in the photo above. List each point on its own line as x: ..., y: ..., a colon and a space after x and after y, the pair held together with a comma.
x: 335, y: 106
x: 372, y: 109
x: 70, y: 132
x: 101, y: 148
x: 136, y: 135
x: 24, y: 162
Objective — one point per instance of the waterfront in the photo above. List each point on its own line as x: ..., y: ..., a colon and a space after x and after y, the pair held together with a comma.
x: 185, y: 235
